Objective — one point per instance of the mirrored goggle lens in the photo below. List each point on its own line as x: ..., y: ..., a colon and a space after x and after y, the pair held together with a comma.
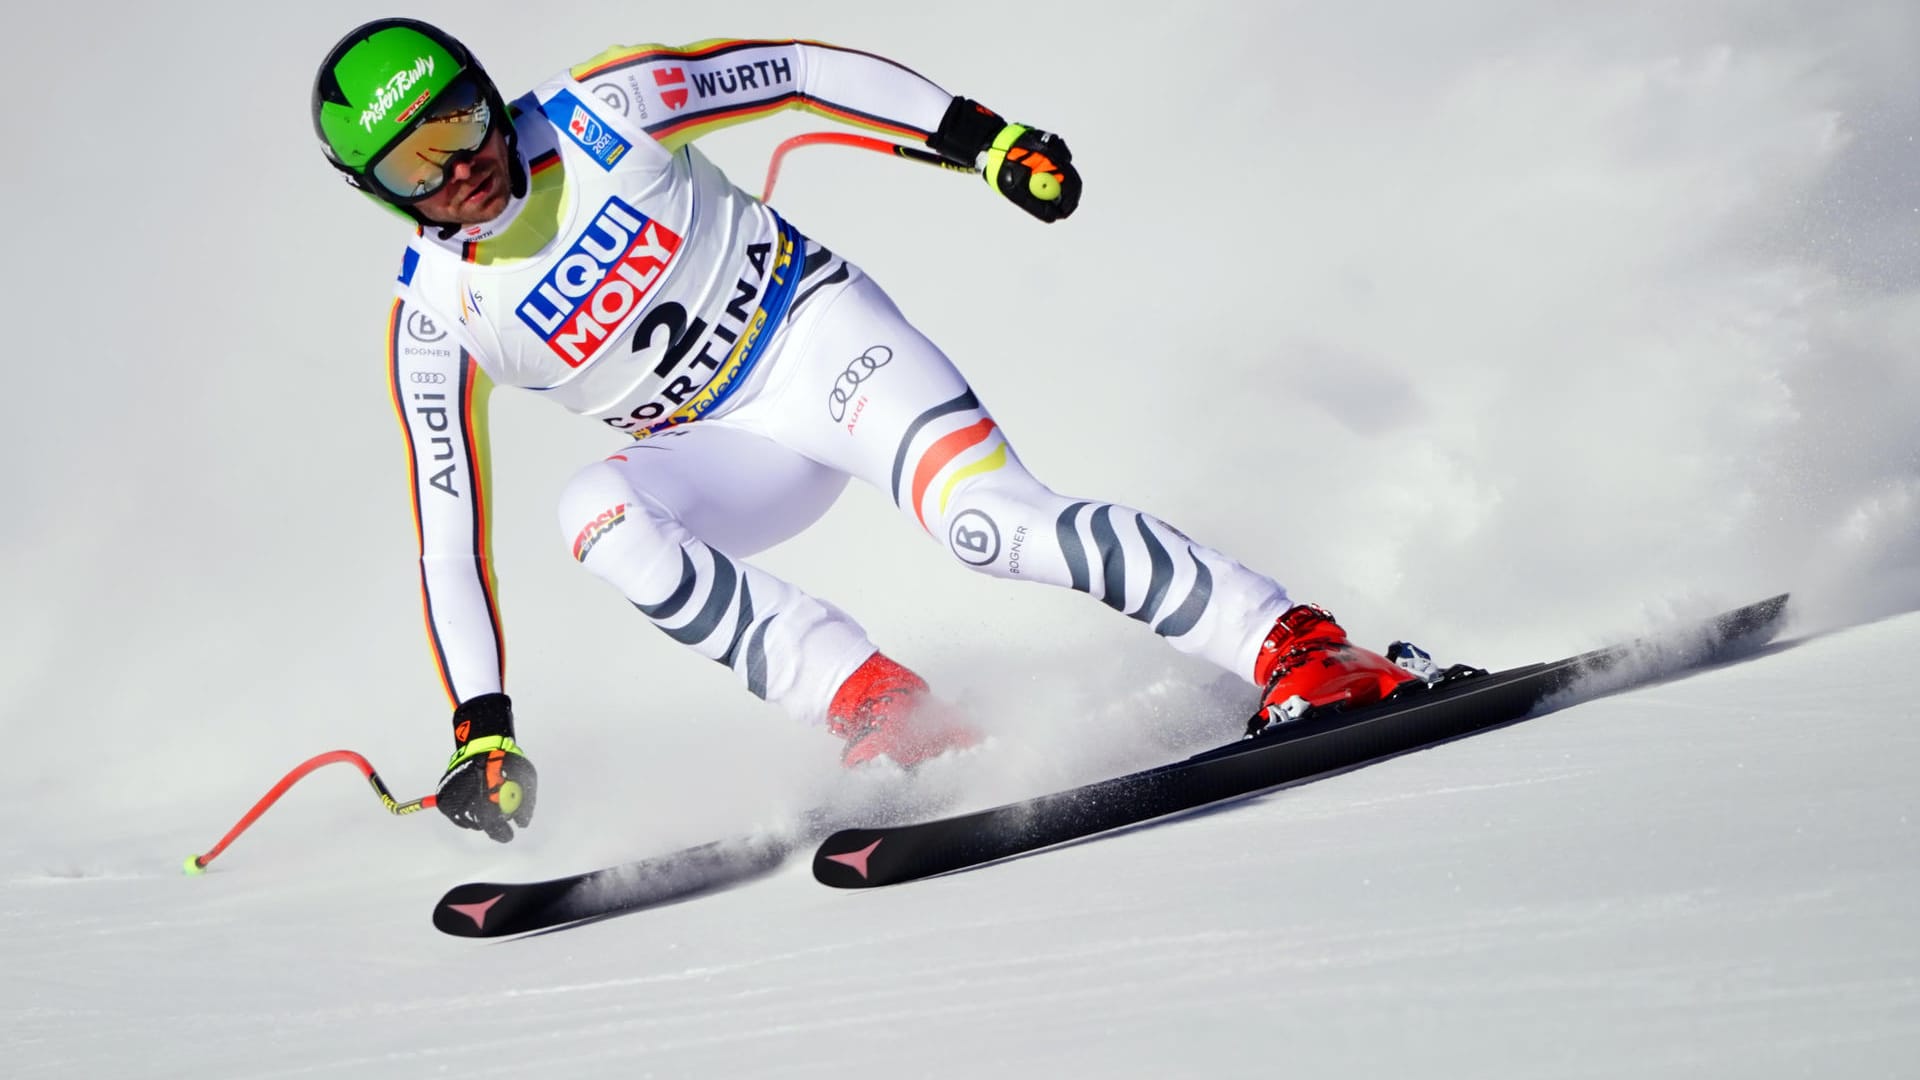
x: 458, y: 123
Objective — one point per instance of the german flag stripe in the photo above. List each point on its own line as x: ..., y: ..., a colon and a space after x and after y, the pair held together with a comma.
x: 413, y: 489
x: 864, y: 119
x: 687, y: 128
x: 617, y: 57
x: 940, y: 455
x: 472, y: 406
x: 692, y: 125
x: 987, y: 464
x: 965, y: 401
x: 871, y: 56
x: 699, y: 123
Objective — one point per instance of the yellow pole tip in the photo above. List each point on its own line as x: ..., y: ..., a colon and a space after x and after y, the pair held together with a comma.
x: 192, y: 866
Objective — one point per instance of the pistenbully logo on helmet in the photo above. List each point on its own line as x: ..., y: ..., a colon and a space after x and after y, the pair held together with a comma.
x: 387, y: 96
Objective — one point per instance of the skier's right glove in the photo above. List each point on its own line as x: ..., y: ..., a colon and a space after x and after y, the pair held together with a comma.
x: 489, y: 781
x: 1030, y: 167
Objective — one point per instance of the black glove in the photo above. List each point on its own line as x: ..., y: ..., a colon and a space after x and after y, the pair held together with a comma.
x: 489, y: 781
x: 1029, y: 166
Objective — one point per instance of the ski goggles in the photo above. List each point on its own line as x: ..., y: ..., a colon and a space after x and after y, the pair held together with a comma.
x: 416, y: 165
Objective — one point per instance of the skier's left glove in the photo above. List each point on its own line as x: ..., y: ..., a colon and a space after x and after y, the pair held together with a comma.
x: 489, y: 781
x: 1031, y: 167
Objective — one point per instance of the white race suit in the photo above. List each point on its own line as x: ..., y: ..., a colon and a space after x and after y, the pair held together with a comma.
x: 751, y: 372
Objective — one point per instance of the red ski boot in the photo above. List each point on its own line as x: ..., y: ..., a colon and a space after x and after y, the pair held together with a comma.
x: 1307, y: 663
x: 884, y: 710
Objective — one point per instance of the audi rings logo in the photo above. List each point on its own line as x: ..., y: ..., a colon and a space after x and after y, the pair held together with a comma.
x: 612, y: 97
x: 422, y: 328
x: 426, y: 377
x: 859, y: 371
x: 974, y: 538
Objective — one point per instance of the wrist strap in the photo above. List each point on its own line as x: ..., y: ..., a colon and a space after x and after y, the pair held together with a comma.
x: 481, y: 717
x: 967, y: 128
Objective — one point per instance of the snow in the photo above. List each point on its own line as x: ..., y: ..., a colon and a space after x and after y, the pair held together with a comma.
x: 1710, y: 876
x: 1510, y: 329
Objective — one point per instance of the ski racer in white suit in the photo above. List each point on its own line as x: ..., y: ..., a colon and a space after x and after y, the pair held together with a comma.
x: 574, y: 244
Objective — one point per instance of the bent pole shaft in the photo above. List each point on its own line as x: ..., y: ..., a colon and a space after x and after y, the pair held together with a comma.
x: 197, y: 863
x: 860, y: 142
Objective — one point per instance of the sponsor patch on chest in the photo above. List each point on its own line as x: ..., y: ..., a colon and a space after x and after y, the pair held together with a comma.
x: 602, y: 280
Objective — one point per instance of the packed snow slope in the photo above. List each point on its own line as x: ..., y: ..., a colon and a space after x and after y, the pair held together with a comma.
x: 1713, y: 876
x: 1507, y: 328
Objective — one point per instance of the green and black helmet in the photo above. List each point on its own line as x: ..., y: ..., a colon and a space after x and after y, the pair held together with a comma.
x: 397, y: 102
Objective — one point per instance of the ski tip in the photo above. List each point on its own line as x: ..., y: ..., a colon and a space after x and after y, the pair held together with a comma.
x: 845, y: 860
x: 472, y: 911
x: 1754, y: 624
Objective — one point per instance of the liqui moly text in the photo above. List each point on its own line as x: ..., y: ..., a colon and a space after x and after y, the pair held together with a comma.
x: 600, y: 282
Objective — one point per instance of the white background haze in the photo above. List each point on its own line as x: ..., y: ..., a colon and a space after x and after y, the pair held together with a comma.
x: 1506, y: 327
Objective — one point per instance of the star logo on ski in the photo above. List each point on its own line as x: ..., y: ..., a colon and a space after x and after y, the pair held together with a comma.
x: 856, y: 859
x: 477, y: 911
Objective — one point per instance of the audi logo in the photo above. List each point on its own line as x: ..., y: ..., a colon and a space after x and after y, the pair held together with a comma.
x: 426, y: 377
x: 859, y: 370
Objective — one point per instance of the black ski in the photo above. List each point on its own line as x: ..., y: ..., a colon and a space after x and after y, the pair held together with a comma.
x: 1312, y: 746
x: 487, y: 909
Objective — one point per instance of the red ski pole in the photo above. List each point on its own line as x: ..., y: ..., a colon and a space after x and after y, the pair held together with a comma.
x: 198, y: 863
x: 860, y: 142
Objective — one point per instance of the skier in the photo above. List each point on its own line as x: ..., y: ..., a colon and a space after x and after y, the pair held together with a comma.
x: 575, y: 244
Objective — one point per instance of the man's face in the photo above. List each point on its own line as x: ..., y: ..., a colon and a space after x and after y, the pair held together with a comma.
x: 476, y: 190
